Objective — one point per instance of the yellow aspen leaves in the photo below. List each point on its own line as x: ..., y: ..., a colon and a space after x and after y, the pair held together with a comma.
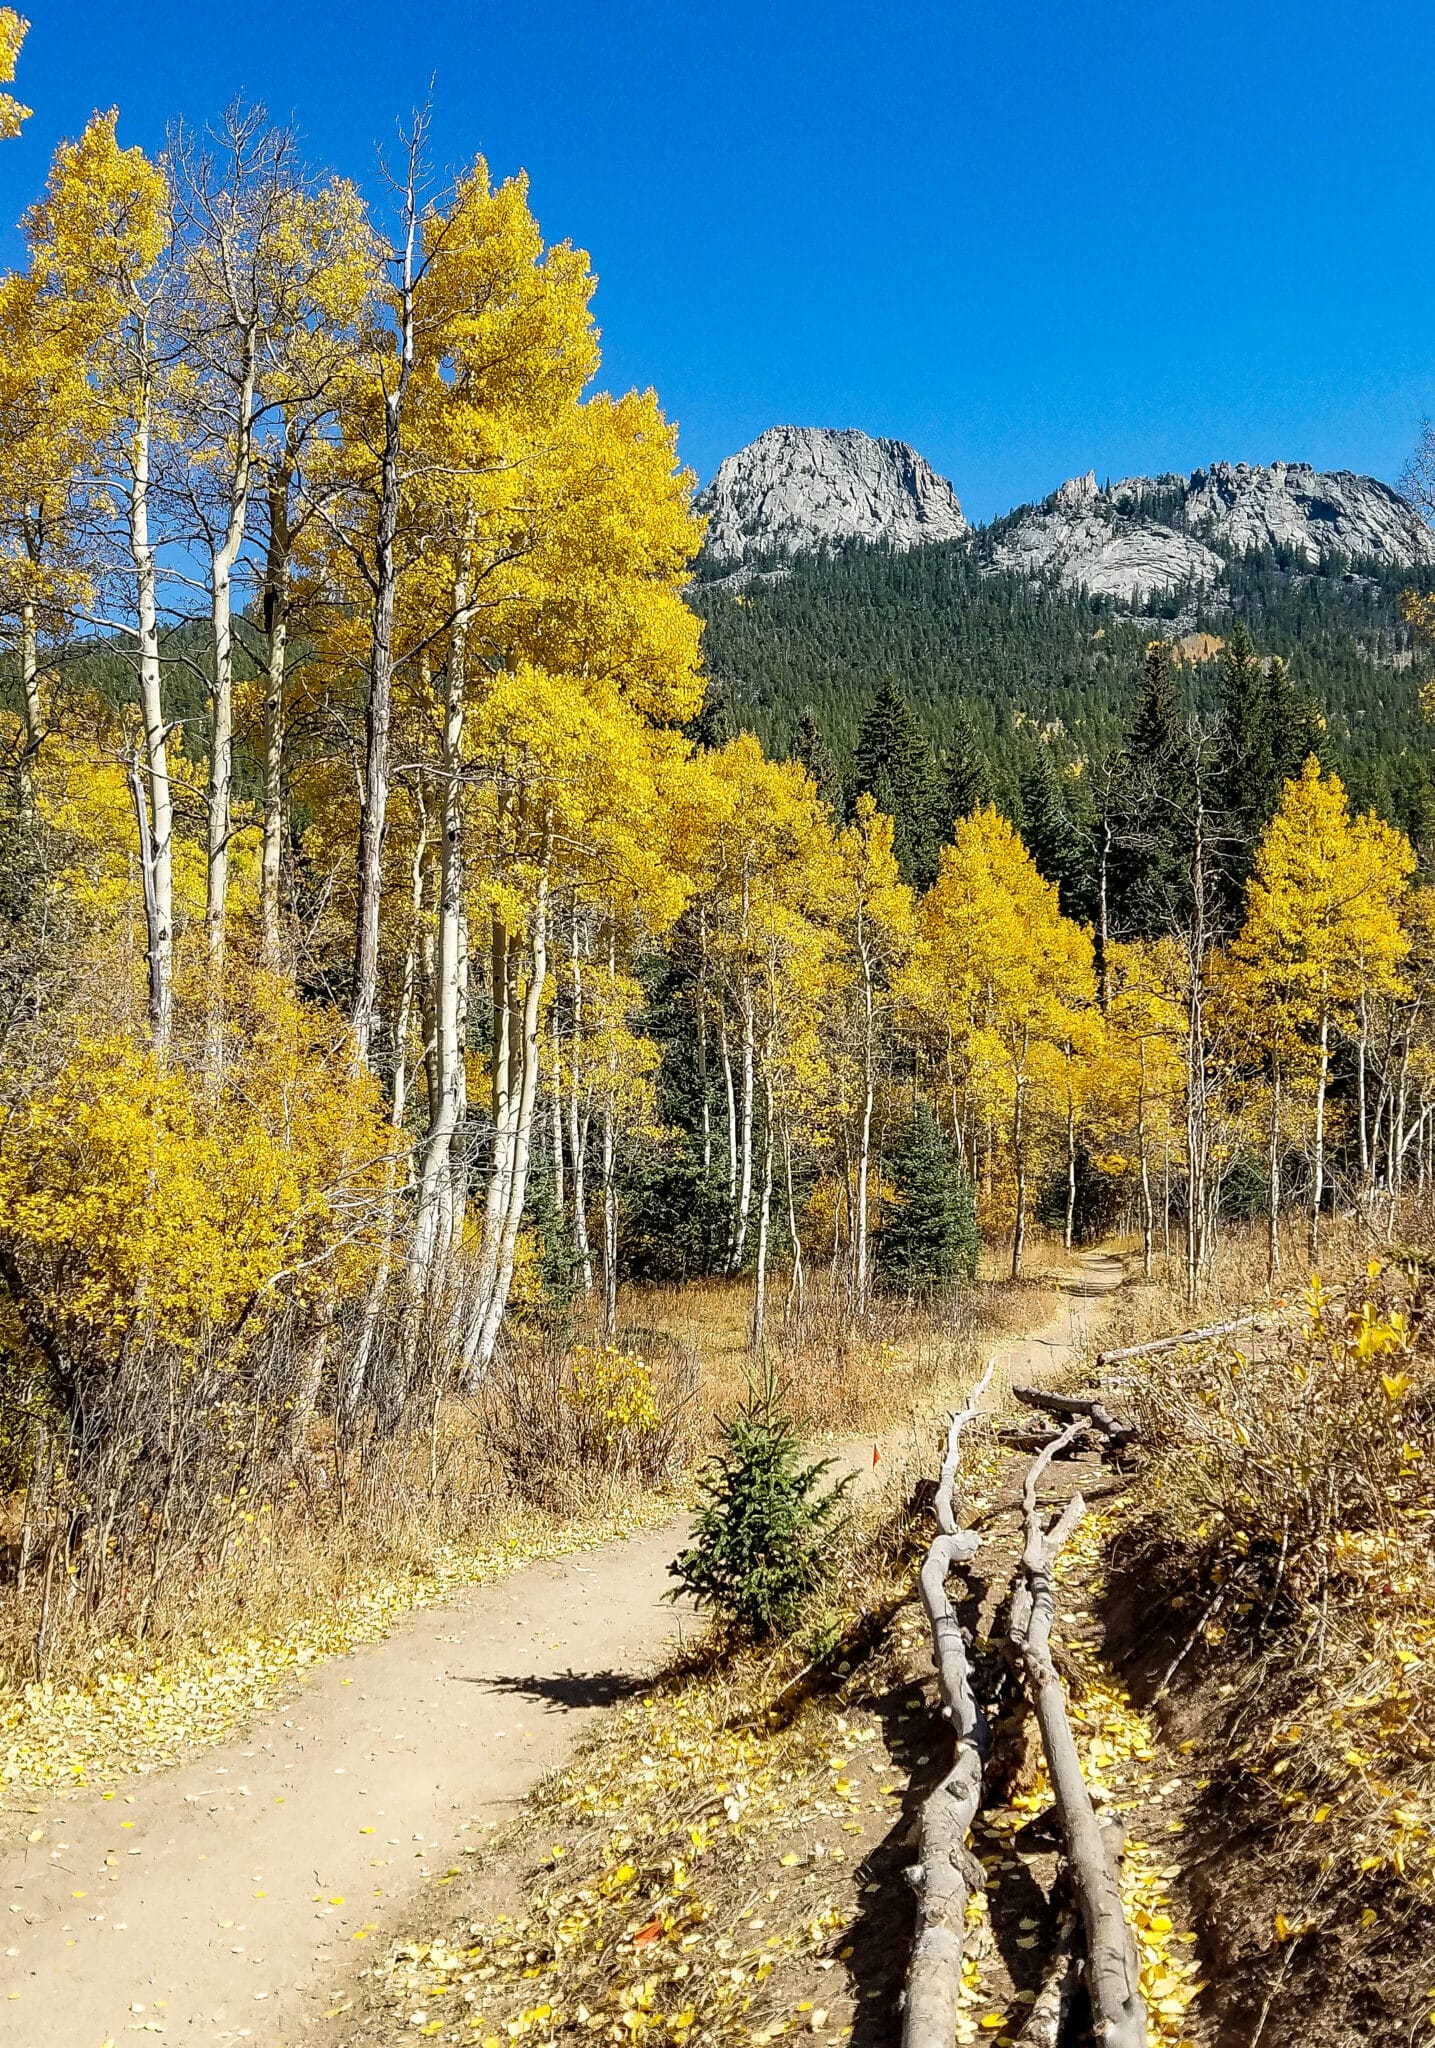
x: 13, y: 28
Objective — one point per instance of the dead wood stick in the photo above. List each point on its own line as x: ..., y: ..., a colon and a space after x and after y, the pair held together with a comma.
x: 1258, y: 1319
x: 1112, y: 1968
x: 1206, y: 1335
x: 1078, y: 1404
x: 1046, y: 2022
x: 948, y: 1873
x: 1032, y: 1439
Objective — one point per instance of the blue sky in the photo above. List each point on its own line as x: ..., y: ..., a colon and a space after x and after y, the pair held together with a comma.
x: 1031, y: 236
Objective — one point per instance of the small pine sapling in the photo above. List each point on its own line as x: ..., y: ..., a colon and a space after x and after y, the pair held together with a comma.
x: 762, y: 1535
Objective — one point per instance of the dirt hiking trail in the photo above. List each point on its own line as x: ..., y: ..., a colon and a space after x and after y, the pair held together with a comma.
x: 229, y: 1900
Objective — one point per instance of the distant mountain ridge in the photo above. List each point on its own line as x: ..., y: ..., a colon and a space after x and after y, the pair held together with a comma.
x: 801, y: 490
x: 798, y: 491
x: 1145, y: 535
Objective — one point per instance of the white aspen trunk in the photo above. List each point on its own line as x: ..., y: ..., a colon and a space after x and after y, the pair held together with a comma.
x: 703, y: 1043
x: 1399, y: 1113
x: 841, y: 1199
x: 1070, y: 1171
x: 560, y: 1192
x: 426, y: 998
x: 1273, y: 1254
x: 378, y: 713
x: 221, y: 754
x: 504, y: 1106
x: 578, y: 1122
x: 276, y: 634
x: 610, y: 1162
x: 458, y: 1153
x: 146, y: 847
x: 273, y: 841
x: 161, y: 809
x: 744, y: 1191
x: 797, y: 1282
x: 731, y: 1097
x: 1018, y: 1142
x: 403, y: 1019
x: 478, y: 1351
x: 1367, y: 1162
x: 864, y: 1143
x: 31, y: 708
x: 1148, y: 1217
x: 357, y: 1377
x: 1318, y: 1167
x: 610, y: 1217
x: 435, y: 1206
x: 764, y: 1218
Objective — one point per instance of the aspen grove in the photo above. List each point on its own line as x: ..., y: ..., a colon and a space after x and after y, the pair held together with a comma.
x: 392, y: 949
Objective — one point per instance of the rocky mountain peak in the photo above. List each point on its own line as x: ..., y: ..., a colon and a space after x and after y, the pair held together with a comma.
x: 1316, y: 513
x: 1145, y: 535
x: 1078, y: 491
x: 800, y: 490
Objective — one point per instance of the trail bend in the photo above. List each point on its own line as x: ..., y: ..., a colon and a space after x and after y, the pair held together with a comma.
x: 230, y: 1899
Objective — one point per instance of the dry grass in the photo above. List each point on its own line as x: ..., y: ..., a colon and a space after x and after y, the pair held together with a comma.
x: 1282, y: 1535
x: 845, y: 1377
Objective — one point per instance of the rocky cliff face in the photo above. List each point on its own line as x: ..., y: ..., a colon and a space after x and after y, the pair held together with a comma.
x: 1149, y: 534
x: 1318, y: 513
x: 798, y: 490
x: 1079, y: 535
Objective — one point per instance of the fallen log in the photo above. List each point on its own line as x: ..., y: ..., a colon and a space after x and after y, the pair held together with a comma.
x: 1032, y: 1439
x: 1206, y: 1335
x: 1113, y: 1973
x: 1088, y: 1405
x: 1046, y: 2022
x: 948, y: 1873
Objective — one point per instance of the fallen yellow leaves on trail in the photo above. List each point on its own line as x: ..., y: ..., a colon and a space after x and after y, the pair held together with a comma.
x: 1121, y: 1766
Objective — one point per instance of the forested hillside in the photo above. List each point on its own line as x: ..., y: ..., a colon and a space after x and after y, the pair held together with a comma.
x: 998, y: 657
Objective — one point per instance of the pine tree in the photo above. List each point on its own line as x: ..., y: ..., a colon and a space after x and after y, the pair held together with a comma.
x: 1152, y: 799
x: 1047, y: 829
x: 716, y: 722
x: 930, y: 1238
x: 812, y: 750
x: 967, y: 778
x: 762, y: 1534
x: 1266, y: 731
x: 894, y: 764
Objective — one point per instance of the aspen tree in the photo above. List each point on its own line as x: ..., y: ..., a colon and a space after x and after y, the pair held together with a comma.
x: 1146, y: 1019
x: 879, y: 925
x: 767, y: 862
x: 48, y: 426
x: 504, y: 348
x: 269, y: 270
x: 375, y: 441
x: 1323, y: 927
x: 1000, y: 969
x: 101, y: 238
